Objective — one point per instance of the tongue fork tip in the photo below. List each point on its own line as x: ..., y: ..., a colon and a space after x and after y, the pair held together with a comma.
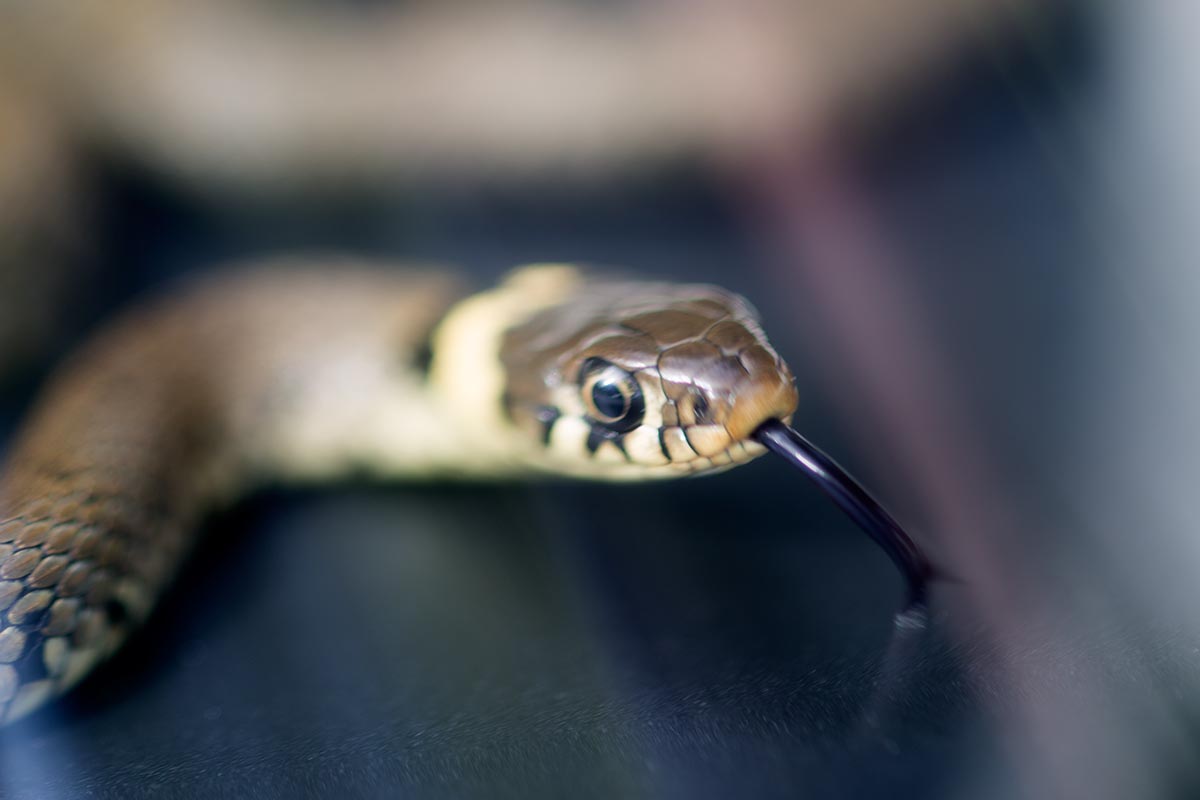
x: 857, y: 503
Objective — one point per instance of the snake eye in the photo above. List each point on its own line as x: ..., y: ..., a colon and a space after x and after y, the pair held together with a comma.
x: 609, y: 399
x: 611, y: 396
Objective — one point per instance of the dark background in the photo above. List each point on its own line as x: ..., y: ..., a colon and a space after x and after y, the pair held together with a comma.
x: 719, y: 637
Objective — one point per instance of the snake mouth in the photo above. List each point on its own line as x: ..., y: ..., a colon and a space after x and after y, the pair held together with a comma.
x: 849, y: 495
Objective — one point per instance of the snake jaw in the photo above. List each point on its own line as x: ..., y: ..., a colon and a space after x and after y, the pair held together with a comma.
x: 763, y: 401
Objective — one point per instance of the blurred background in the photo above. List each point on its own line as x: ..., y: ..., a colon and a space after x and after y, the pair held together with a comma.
x: 969, y: 226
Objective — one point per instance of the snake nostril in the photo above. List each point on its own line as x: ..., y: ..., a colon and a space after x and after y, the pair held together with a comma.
x: 700, y: 409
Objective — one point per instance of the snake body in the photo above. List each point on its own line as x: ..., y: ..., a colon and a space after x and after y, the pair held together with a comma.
x: 298, y: 374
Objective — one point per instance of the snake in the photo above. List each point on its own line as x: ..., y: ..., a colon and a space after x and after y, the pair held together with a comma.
x: 295, y: 372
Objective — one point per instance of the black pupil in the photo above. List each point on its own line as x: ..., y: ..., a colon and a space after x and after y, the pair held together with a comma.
x: 609, y: 400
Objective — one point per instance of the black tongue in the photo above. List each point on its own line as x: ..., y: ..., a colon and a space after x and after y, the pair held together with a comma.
x: 853, y: 499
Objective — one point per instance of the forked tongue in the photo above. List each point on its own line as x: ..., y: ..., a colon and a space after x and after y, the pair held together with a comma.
x: 856, y: 502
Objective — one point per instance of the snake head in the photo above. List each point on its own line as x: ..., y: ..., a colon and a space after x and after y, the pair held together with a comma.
x: 629, y: 379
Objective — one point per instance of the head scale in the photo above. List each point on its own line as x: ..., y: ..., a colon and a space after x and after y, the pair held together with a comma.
x: 628, y: 379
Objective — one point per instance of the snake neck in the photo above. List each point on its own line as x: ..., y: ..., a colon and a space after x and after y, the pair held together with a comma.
x: 283, y: 376
x: 467, y: 379
x: 186, y: 403
x: 372, y: 406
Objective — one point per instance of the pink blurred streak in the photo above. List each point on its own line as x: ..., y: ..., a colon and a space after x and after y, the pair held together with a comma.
x: 891, y: 377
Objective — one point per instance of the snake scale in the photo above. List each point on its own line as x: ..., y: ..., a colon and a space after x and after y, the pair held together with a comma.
x: 293, y: 373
